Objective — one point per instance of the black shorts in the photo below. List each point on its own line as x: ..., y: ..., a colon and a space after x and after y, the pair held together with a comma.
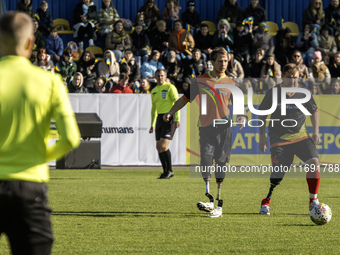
x: 25, y: 217
x: 216, y: 142
x: 164, y: 129
x: 284, y: 155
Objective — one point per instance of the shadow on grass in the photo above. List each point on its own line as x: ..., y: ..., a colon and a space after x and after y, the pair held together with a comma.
x: 298, y: 225
x: 123, y: 214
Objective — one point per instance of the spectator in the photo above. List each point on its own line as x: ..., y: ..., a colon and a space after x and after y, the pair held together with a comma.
x: 306, y: 43
x: 54, y: 45
x: 284, y: 46
x: 109, y: 69
x: 173, y: 70
x: 39, y: 40
x: 297, y: 59
x: 140, y: 41
x: 318, y: 70
x: 170, y: 14
x: 151, y: 13
x: 334, y: 88
x: 186, y: 84
x: 203, y: 41
x: 271, y: 69
x: 196, y: 66
x: 314, y: 15
x: 231, y: 12
x: 45, y: 18
x: 181, y: 42
x: 76, y: 84
x: 337, y: 34
x: 254, y: 68
x: 264, y: 40
x: 332, y: 15
x: 144, y: 86
x: 86, y: 66
x: 315, y: 89
x: 140, y: 19
x: 327, y: 44
x: 123, y: 85
x: 149, y: 67
x: 26, y: 7
x: 234, y: 69
x: 98, y: 86
x: 66, y: 68
x: 159, y: 38
x: 334, y: 68
x: 192, y: 18
x: 271, y: 74
x: 257, y: 12
x: 107, y: 16
x: 245, y: 85
x: 223, y: 36
x: 129, y: 65
x: 84, y: 14
x: 43, y: 61
x: 243, y: 42
x: 118, y: 40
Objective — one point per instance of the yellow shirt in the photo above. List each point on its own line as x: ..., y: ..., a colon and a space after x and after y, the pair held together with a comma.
x: 29, y: 98
x: 163, y: 98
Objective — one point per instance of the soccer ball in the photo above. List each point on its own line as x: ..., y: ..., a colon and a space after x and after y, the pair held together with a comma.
x: 321, y: 214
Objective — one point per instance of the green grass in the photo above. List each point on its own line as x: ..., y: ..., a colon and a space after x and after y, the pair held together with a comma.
x: 131, y: 212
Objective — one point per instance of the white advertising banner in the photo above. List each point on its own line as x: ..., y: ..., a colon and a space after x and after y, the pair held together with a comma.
x: 125, y: 137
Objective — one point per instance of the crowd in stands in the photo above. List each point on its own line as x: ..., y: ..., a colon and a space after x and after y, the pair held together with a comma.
x: 178, y: 41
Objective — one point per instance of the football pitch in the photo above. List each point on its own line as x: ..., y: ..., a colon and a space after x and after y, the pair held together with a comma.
x: 129, y: 211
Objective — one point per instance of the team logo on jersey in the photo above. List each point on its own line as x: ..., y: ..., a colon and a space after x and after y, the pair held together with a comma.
x: 164, y: 94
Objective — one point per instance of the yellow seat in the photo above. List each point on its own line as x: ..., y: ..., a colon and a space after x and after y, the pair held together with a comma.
x: 63, y: 26
x: 97, y: 51
x: 211, y: 25
x: 273, y: 28
x: 294, y: 28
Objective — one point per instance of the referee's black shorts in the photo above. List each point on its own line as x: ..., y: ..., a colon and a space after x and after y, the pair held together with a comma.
x: 164, y: 129
x: 25, y: 217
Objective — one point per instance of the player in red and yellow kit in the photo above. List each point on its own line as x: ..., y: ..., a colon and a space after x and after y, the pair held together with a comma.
x: 289, y: 140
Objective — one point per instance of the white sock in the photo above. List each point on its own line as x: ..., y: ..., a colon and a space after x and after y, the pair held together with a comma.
x: 313, y: 196
x: 91, y: 43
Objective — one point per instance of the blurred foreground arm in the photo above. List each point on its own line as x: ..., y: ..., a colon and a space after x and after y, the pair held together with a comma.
x: 65, y: 123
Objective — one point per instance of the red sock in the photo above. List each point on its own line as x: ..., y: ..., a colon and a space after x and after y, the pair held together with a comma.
x: 313, y: 181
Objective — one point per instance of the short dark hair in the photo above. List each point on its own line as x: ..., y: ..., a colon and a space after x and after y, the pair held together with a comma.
x: 180, y: 21
x: 196, y: 50
x: 204, y: 25
x: 216, y: 51
x: 160, y: 70
x: 67, y: 52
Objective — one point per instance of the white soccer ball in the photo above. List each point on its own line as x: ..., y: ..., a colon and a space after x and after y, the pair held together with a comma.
x: 321, y: 214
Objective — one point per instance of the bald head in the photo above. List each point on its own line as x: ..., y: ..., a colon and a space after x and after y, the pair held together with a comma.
x: 16, y: 33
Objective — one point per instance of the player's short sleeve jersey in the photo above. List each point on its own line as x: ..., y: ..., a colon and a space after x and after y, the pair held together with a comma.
x: 292, y: 131
x: 217, y: 102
